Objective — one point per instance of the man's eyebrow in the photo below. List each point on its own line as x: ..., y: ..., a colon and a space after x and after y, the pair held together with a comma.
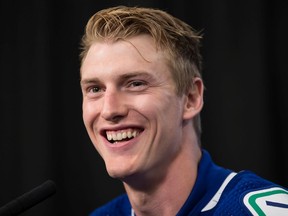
x: 121, y: 77
x: 89, y: 81
x: 136, y: 74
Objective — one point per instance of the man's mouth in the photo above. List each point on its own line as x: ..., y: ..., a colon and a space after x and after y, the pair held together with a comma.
x: 122, y: 135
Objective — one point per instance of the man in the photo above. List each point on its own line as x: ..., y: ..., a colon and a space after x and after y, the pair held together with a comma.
x: 142, y: 96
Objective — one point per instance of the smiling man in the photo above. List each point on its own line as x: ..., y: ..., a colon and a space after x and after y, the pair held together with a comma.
x: 142, y: 97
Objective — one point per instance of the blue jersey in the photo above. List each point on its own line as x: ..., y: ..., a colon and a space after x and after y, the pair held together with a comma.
x: 219, y: 191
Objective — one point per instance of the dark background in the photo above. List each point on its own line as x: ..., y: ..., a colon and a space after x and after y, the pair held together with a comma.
x: 42, y: 135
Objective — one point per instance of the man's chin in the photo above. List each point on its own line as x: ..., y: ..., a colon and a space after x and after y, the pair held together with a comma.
x: 118, y: 174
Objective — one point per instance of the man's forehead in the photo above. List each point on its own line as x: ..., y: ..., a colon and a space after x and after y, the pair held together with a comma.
x: 133, y: 54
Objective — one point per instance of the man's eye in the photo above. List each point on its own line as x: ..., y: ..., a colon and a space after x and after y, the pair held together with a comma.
x: 137, y: 83
x: 95, y: 89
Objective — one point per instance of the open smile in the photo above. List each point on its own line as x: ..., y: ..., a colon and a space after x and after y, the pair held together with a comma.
x: 114, y: 136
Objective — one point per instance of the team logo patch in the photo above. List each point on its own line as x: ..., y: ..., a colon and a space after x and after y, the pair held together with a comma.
x: 267, y: 202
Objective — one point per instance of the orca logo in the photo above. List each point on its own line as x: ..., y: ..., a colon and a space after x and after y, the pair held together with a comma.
x: 267, y: 202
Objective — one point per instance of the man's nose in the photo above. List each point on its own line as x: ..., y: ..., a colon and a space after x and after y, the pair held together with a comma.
x: 114, y: 106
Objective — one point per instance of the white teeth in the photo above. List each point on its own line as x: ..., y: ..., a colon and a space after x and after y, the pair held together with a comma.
x: 109, y: 137
x: 120, y: 135
x: 114, y: 136
x: 129, y: 134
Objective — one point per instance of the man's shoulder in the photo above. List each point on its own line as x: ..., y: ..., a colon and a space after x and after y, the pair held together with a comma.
x: 249, y: 194
x: 119, y: 206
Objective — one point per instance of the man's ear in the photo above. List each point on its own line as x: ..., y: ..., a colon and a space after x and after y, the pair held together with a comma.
x: 193, y: 102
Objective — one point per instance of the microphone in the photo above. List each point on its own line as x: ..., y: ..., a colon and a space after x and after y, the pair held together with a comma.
x: 29, y: 199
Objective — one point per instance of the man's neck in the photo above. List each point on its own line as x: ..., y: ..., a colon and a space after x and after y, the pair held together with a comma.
x: 166, y: 195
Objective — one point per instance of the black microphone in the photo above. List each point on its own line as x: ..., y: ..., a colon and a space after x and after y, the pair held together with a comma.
x: 29, y: 199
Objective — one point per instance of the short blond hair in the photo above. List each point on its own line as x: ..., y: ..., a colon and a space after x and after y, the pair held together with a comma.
x: 173, y: 36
